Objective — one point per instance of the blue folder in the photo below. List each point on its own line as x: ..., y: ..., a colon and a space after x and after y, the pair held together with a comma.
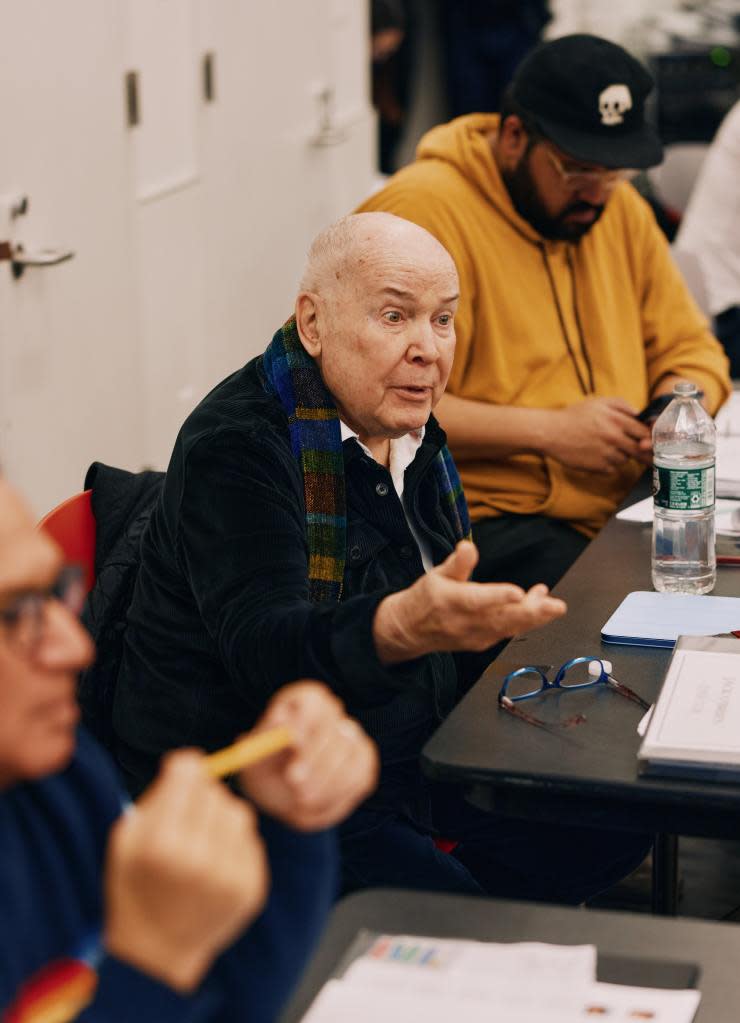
x: 646, y: 618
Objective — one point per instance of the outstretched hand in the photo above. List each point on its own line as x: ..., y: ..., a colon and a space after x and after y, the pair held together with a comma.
x: 443, y: 610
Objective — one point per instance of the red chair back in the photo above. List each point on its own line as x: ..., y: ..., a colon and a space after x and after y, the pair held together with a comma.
x: 72, y: 525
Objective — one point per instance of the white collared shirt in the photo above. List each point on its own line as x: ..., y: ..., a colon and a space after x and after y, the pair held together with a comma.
x: 402, y: 453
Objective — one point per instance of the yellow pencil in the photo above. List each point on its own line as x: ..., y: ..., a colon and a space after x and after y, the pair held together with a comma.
x: 247, y: 751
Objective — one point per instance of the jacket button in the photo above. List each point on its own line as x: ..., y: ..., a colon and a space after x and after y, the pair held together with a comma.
x: 381, y: 489
x: 407, y: 551
x: 354, y: 553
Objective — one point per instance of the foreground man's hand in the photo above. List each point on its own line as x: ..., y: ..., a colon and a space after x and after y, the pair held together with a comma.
x: 444, y: 611
x: 186, y: 871
x: 331, y: 767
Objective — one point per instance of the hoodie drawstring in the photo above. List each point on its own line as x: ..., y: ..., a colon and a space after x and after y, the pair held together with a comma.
x: 587, y: 387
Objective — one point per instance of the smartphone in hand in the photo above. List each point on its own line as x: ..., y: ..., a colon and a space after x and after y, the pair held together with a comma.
x: 658, y: 405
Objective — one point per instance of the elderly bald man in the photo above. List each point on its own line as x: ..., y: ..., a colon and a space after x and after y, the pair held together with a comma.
x: 312, y: 524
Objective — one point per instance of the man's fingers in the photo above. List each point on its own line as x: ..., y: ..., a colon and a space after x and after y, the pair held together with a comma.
x: 331, y: 740
x: 615, y: 401
x: 494, y: 595
x: 342, y: 776
x: 532, y: 613
x: 460, y: 563
x: 301, y: 706
x: 537, y: 605
x: 179, y: 772
x: 314, y: 776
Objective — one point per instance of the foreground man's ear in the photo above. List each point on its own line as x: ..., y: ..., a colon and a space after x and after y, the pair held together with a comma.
x: 307, y: 322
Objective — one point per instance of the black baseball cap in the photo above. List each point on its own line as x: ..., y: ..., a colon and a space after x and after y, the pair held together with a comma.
x: 587, y: 95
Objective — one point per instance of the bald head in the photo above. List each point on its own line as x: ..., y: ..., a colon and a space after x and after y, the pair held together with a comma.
x: 345, y: 250
x: 376, y: 312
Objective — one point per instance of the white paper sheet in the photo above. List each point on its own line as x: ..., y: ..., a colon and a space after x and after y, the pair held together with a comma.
x: 727, y: 419
x: 405, y: 978
x: 699, y: 707
x: 642, y: 724
x: 470, y: 968
x: 340, y: 1002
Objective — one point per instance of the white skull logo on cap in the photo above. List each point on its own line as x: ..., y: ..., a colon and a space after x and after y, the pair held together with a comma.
x: 614, y: 102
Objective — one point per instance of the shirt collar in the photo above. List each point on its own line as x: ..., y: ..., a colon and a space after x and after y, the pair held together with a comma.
x: 403, y: 451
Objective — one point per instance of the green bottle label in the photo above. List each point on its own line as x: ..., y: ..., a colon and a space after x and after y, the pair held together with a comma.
x: 683, y: 489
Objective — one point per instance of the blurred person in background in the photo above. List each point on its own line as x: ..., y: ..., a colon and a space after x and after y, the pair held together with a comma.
x: 484, y: 42
x: 710, y: 228
x: 392, y: 48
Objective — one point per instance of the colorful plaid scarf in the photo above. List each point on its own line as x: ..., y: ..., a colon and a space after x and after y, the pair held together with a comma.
x: 316, y: 439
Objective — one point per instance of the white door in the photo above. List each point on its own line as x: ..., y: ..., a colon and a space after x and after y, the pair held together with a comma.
x: 189, y: 227
x: 69, y: 358
x: 231, y: 184
x: 167, y: 188
x: 286, y: 147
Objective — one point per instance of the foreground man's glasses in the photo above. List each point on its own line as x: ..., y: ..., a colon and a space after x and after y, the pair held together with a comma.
x: 578, y: 673
x: 23, y: 618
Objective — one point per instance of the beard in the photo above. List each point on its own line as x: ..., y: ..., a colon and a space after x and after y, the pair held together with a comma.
x: 529, y: 206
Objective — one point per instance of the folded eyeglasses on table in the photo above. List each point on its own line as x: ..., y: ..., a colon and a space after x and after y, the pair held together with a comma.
x: 578, y: 673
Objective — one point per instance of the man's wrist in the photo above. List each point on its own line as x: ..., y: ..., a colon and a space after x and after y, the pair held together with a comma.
x: 179, y: 971
x: 394, y: 640
x: 543, y: 428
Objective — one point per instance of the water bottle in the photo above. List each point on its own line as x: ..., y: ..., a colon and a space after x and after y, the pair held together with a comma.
x: 684, y: 443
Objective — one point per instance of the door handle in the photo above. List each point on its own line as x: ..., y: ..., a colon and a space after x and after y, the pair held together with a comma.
x: 329, y: 132
x: 11, y: 207
x: 20, y: 259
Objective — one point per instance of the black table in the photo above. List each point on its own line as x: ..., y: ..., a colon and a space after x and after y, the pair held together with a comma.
x: 587, y: 774
x: 642, y: 940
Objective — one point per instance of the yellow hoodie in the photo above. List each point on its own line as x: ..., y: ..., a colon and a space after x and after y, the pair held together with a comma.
x: 535, y: 313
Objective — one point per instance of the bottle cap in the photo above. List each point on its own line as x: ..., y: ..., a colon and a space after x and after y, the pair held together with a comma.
x: 685, y: 388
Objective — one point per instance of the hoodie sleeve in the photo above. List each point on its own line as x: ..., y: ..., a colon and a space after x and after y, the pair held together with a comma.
x: 676, y: 334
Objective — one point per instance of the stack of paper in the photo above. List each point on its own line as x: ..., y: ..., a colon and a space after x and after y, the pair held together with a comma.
x: 726, y: 520
x: 695, y: 727
x: 646, y: 618
x: 728, y: 448
x: 727, y: 419
x: 403, y: 978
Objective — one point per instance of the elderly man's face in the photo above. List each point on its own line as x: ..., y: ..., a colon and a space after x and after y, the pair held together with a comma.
x: 387, y: 336
x: 38, y: 706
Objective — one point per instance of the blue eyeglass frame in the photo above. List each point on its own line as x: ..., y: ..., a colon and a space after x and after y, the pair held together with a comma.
x: 603, y: 679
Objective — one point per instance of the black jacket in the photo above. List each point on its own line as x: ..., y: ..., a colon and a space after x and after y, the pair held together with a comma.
x: 121, y: 503
x: 220, y: 616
